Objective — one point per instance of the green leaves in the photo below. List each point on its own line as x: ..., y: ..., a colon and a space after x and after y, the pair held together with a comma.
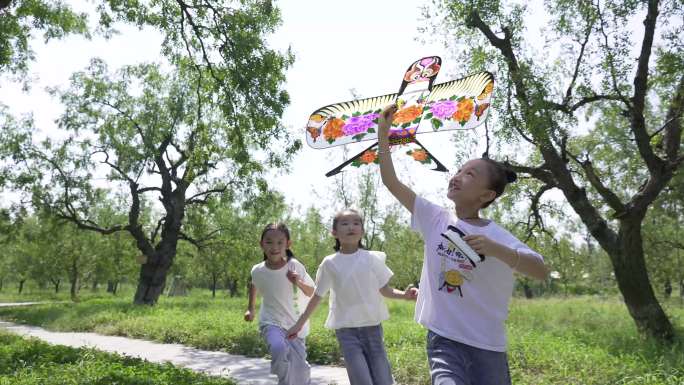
x: 20, y: 19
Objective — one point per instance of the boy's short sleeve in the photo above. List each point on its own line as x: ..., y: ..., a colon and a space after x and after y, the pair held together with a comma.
x: 426, y: 216
x: 323, y: 279
x: 380, y: 269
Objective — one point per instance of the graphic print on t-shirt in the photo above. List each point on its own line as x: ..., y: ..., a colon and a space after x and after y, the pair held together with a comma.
x: 456, y: 267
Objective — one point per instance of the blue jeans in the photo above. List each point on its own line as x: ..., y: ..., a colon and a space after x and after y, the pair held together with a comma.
x: 364, y: 355
x: 455, y: 363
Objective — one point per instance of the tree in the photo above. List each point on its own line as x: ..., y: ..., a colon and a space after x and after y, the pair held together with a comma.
x: 404, y: 249
x: 20, y: 19
x: 210, y: 256
x: 183, y: 137
x: 311, y: 238
x: 662, y: 238
x: 6, y: 230
x: 611, y: 168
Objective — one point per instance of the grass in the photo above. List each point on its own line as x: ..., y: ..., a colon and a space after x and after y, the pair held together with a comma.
x: 32, y: 293
x: 32, y: 362
x: 579, y: 340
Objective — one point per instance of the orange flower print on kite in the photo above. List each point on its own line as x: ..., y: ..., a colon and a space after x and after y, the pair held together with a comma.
x: 419, y: 155
x: 407, y: 115
x: 369, y: 156
x: 464, y: 111
x: 333, y: 129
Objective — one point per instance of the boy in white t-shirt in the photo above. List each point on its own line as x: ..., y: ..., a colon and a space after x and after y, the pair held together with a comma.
x: 285, y: 286
x: 467, y: 276
x: 357, y: 279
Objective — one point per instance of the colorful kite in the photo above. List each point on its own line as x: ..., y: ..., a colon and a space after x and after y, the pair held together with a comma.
x: 461, y: 104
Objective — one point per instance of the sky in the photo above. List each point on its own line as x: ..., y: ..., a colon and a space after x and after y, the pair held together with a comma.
x: 339, y: 46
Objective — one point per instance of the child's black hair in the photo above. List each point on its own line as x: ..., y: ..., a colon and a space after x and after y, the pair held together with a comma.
x: 500, y: 175
x: 336, y: 219
x: 283, y: 229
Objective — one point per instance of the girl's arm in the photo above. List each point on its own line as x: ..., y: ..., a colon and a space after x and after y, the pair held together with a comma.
x: 403, y: 193
x: 249, y: 314
x: 306, y: 289
x: 410, y: 294
x: 313, y: 304
x: 519, y: 261
x: 294, y: 278
x: 525, y: 264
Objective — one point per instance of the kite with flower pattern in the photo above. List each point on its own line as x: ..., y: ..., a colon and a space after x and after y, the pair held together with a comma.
x: 460, y: 104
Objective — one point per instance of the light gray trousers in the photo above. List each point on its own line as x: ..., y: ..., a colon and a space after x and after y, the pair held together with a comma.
x: 288, y: 357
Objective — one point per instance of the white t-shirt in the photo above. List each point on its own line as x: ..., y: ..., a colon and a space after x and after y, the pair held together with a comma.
x: 460, y: 300
x: 281, y: 304
x: 354, y: 281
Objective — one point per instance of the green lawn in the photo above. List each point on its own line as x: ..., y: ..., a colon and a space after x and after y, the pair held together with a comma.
x: 32, y: 362
x: 582, y: 340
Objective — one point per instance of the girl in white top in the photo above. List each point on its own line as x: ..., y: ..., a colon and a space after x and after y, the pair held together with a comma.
x: 285, y: 286
x: 357, y: 280
x: 463, y: 300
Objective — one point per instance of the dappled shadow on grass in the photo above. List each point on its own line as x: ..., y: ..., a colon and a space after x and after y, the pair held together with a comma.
x: 71, y: 316
x: 600, y: 332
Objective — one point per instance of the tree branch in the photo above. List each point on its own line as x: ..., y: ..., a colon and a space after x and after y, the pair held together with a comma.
x: 558, y: 174
x: 637, y: 120
x: 115, y: 167
x: 568, y: 93
x: 535, y: 214
x: 569, y: 109
x: 611, y: 63
x: 148, y: 189
x: 194, y: 199
x: 673, y: 135
x: 608, y: 195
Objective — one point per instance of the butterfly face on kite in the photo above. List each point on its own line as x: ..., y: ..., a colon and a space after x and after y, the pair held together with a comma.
x: 460, y: 104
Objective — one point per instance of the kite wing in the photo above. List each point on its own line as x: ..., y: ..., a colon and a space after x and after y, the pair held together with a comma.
x: 347, y: 122
x: 461, y: 104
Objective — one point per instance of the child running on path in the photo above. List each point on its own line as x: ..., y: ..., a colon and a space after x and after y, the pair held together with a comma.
x: 357, y: 279
x: 285, y: 285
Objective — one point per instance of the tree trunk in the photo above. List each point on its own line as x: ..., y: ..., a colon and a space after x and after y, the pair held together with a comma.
x: 94, y: 287
x: 112, y: 286
x: 151, y: 283
x: 233, y: 288
x: 153, y: 272
x: 527, y: 290
x: 634, y: 283
x: 21, y: 285
x: 667, y: 288
x: 74, y: 281
x: 213, y: 286
x: 56, y: 283
x: 73, y: 291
